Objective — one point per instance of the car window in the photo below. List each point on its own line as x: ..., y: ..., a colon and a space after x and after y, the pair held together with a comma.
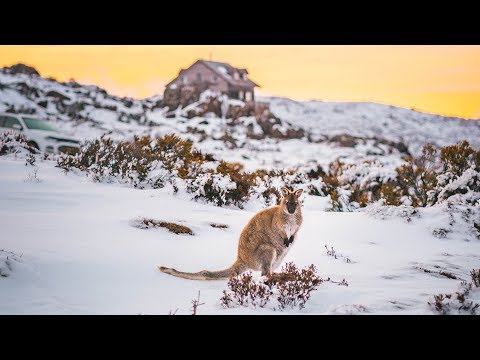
x: 9, y: 121
x: 37, y: 124
x: 2, y: 119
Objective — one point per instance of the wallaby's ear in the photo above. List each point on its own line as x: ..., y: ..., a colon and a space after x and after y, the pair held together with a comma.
x: 298, y: 192
x: 284, y: 191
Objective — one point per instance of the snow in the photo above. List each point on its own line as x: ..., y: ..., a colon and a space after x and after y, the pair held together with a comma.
x: 375, y: 120
x: 9, y: 96
x: 77, y: 253
x: 222, y: 70
x: 67, y: 244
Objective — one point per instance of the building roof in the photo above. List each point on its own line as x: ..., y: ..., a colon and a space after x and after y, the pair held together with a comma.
x: 226, y: 71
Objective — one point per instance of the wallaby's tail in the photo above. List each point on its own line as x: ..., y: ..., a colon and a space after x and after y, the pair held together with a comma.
x: 236, y: 268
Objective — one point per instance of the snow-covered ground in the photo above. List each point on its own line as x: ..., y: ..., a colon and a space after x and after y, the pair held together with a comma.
x: 75, y: 251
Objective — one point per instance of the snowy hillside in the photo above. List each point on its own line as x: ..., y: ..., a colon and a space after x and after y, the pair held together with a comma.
x: 327, y: 119
x: 72, y: 249
x: 351, y: 131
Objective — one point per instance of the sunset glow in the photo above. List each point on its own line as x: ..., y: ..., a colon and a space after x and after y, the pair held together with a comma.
x: 436, y: 79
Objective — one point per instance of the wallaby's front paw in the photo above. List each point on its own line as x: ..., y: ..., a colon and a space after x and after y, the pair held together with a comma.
x: 288, y: 241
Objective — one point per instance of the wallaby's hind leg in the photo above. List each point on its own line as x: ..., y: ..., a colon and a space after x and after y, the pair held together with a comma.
x: 266, y: 255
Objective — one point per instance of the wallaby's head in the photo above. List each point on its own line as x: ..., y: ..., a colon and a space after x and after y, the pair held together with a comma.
x: 290, y: 201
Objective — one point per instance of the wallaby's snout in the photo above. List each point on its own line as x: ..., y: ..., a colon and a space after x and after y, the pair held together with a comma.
x: 291, y: 206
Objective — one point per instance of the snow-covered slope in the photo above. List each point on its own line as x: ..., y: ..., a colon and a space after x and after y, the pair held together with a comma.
x: 327, y: 119
x: 71, y: 249
x: 87, y: 111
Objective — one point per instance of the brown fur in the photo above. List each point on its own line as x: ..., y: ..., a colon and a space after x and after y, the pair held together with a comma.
x: 263, y: 243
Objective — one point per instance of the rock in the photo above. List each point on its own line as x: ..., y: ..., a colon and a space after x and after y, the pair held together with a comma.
x: 57, y: 95
x: 21, y: 69
x: 181, y: 95
x: 43, y: 103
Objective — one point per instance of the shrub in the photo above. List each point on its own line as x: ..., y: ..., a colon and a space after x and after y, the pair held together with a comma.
x: 219, y: 226
x: 290, y: 287
x: 177, y: 155
x: 170, y: 226
x: 214, y: 188
x: 331, y: 180
x: 475, y: 275
x: 458, y: 158
x: 294, y: 286
x: 445, y: 303
x: 12, y: 143
x: 461, y: 173
x: 243, y: 182
x: 244, y: 291
x: 139, y: 162
x: 417, y: 179
x: 391, y: 193
x: 228, y: 184
x: 426, y: 180
x: 359, y: 195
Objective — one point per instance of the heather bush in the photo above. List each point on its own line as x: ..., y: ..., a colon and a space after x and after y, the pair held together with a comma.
x: 462, y: 300
x: 290, y: 288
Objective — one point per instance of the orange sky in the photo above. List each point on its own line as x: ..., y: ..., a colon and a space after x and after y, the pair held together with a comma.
x: 437, y: 79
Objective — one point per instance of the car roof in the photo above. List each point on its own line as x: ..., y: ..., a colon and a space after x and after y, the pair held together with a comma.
x: 20, y: 115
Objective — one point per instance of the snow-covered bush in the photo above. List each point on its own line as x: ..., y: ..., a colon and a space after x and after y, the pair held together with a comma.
x: 382, y: 211
x: 460, y: 178
x: 214, y: 188
x: 445, y: 182
x: 268, y: 184
x: 432, y: 178
x: 415, y: 181
x: 141, y: 162
x: 14, y: 143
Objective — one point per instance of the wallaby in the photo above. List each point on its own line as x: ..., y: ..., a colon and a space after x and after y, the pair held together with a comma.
x: 263, y: 243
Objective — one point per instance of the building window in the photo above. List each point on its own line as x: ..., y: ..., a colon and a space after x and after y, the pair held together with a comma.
x: 248, y: 96
x: 235, y: 75
x: 240, y: 94
x: 184, y: 79
x: 244, y: 76
x: 199, y: 77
